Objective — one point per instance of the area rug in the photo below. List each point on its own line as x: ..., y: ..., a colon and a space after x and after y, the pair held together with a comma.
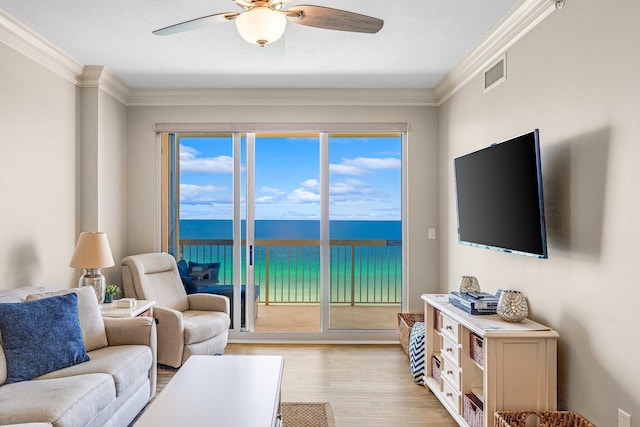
x: 307, y: 414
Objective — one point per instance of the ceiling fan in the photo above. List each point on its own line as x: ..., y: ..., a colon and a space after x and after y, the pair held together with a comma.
x: 264, y: 21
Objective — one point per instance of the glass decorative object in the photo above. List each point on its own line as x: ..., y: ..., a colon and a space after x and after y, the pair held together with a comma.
x: 93, y: 277
x: 469, y: 283
x: 92, y: 253
x: 512, y: 306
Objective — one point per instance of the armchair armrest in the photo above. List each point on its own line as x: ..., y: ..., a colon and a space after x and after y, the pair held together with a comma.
x: 168, y: 318
x: 171, y: 329
x: 208, y: 302
x: 130, y: 330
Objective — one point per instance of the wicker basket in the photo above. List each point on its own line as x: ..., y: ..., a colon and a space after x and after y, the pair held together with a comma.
x: 437, y: 320
x: 405, y: 324
x: 477, y: 352
x: 436, y: 368
x: 547, y: 419
x: 473, y: 413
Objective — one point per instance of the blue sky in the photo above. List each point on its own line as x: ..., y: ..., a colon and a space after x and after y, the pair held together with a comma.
x: 365, y: 178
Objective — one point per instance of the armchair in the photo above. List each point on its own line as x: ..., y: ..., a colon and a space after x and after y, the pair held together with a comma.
x: 187, y: 324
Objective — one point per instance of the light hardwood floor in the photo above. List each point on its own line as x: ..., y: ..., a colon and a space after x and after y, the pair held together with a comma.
x: 367, y: 385
x: 306, y: 318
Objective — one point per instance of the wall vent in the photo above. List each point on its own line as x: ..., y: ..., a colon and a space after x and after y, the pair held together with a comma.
x: 496, y: 73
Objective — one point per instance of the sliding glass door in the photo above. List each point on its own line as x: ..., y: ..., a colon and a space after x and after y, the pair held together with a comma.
x: 365, y: 230
x: 305, y: 228
x: 287, y: 221
x: 207, y: 213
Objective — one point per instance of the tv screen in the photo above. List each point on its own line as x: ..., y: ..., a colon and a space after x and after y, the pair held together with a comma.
x: 499, y: 196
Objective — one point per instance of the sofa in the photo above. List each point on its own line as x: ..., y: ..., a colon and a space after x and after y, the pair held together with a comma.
x: 62, y: 364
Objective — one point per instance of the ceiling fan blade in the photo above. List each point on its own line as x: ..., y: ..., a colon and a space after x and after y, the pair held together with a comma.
x: 333, y: 19
x: 196, y: 23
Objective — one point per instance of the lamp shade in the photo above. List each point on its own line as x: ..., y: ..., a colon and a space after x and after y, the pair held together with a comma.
x: 261, y: 25
x: 92, y: 251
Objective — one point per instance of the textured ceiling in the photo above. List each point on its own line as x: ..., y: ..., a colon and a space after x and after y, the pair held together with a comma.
x: 420, y: 42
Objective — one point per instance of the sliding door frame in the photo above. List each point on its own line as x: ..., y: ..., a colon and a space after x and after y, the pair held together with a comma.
x: 323, y: 129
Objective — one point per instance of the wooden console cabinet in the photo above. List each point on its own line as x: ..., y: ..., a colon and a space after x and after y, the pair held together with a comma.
x: 518, y: 361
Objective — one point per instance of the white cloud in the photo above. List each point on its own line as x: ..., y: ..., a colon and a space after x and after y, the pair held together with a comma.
x: 352, y: 191
x: 206, y: 211
x: 190, y: 162
x: 194, y: 194
x: 307, y: 192
x: 270, y: 190
x: 300, y: 195
x: 187, y: 152
x: 311, y: 183
x: 364, y: 165
x: 349, y: 186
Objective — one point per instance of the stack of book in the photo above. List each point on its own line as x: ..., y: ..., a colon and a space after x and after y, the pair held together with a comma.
x: 474, y: 302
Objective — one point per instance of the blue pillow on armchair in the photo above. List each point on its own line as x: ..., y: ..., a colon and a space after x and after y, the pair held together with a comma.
x: 187, y: 282
x: 41, y: 336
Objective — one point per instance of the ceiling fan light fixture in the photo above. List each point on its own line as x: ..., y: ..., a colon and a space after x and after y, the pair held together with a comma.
x: 261, y: 25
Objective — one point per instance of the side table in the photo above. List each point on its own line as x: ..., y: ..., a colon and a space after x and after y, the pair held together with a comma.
x: 142, y: 308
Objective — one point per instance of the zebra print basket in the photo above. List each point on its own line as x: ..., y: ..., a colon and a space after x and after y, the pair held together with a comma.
x: 416, y: 353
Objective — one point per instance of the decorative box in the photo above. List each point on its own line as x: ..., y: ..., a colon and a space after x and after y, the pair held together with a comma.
x: 126, y: 302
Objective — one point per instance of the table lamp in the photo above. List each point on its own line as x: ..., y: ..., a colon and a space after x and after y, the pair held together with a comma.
x: 92, y: 253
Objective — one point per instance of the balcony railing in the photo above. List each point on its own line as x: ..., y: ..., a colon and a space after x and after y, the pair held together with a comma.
x: 288, y: 271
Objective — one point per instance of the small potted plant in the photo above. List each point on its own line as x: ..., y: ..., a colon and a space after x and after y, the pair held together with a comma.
x: 109, y: 292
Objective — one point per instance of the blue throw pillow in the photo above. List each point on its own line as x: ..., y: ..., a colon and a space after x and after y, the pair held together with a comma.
x: 187, y: 282
x: 183, y: 268
x: 189, y: 286
x: 41, y: 336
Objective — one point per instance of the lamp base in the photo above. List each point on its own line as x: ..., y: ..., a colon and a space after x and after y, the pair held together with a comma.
x: 93, y: 277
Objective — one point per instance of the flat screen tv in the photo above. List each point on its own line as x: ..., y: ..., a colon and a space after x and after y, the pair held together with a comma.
x: 499, y: 197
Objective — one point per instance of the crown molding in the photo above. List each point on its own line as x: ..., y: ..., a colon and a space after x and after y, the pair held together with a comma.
x: 17, y: 36
x: 524, y: 18
x: 102, y: 78
x: 283, y: 97
x: 21, y: 38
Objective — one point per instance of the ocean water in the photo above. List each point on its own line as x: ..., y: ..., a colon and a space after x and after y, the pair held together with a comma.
x: 293, y: 229
x: 364, y: 273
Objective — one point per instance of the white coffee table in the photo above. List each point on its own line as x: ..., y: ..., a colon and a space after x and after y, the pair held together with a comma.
x: 220, y: 391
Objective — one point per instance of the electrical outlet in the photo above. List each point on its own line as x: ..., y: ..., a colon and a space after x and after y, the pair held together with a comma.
x: 624, y: 419
x: 432, y: 233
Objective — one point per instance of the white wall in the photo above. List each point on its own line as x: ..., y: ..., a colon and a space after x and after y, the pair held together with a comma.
x: 37, y: 174
x: 576, y: 78
x: 52, y: 186
x: 422, y: 157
